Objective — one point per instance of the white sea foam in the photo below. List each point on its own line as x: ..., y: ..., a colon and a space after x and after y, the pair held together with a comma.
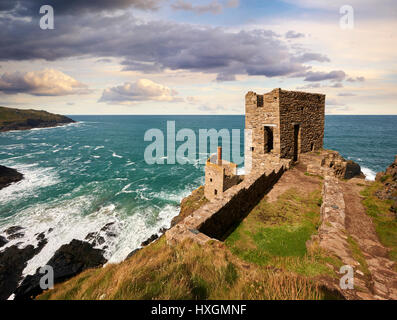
x: 99, y: 147
x: 369, y: 174
x: 34, y: 179
x: 67, y: 221
x: 116, y: 155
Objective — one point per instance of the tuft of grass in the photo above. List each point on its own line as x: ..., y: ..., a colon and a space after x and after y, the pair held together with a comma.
x: 384, y: 220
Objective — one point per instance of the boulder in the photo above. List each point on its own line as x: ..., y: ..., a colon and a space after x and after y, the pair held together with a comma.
x: 68, y: 261
x: 13, y: 261
x: 3, y: 241
x: 8, y: 176
x: 342, y: 168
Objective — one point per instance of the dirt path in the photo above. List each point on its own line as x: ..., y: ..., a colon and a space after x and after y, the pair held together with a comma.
x: 294, y: 178
x: 359, y: 225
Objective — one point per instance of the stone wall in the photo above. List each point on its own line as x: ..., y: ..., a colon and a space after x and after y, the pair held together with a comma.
x: 216, y: 218
x: 277, y: 113
x: 261, y: 110
x: 306, y: 110
x: 237, y: 203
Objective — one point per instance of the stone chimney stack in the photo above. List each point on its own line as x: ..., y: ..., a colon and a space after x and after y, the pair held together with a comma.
x: 219, y: 156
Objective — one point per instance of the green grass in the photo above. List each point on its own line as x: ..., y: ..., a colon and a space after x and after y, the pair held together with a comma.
x: 385, y: 221
x: 186, y: 271
x: 275, y: 234
x: 358, y: 256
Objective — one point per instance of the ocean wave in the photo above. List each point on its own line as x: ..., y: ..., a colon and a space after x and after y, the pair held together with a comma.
x: 116, y: 155
x: 369, y: 173
x: 34, y: 178
x: 63, y: 221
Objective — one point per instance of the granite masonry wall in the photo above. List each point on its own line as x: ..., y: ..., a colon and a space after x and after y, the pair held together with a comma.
x: 305, y: 110
x: 219, y: 178
x: 284, y: 123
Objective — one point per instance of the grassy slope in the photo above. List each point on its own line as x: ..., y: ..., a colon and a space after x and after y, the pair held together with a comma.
x: 385, y: 221
x: 187, y: 271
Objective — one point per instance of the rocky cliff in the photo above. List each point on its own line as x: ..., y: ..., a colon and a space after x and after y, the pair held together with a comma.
x: 17, y: 119
x: 8, y: 176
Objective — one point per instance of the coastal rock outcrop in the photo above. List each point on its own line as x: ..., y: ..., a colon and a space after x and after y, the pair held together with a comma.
x: 332, y: 163
x: 68, y: 261
x: 342, y: 168
x: 18, y: 119
x: 389, y: 180
x: 8, y: 176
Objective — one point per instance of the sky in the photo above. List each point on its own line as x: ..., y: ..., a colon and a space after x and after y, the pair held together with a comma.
x: 196, y: 57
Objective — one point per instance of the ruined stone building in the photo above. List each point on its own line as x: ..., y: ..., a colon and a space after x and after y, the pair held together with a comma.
x: 284, y: 124
x: 220, y: 175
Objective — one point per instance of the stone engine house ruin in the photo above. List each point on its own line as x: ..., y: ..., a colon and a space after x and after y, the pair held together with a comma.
x: 282, y: 125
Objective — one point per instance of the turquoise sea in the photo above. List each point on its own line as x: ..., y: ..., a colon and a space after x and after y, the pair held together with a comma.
x: 83, y: 176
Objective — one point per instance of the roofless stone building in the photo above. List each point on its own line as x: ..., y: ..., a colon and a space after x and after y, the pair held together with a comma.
x: 282, y: 124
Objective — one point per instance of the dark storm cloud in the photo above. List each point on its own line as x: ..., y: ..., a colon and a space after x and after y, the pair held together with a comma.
x: 31, y: 7
x: 158, y: 45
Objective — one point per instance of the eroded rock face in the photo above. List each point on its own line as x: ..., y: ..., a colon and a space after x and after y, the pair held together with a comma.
x: 68, y: 261
x: 342, y: 168
x: 389, y: 180
x: 8, y: 176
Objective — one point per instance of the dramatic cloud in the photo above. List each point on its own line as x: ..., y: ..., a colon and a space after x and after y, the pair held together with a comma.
x: 31, y: 7
x: 338, y: 75
x: 293, y: 35
x: 48, y: 82
x: 214, y: 6
x: 141, y: 90
x: 155, y: 46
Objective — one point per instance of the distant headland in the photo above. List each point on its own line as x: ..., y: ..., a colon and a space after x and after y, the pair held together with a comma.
x: 18, y: 119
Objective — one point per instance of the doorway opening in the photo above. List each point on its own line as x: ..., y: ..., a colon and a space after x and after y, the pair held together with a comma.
x: 296, y: 141
x: 268, y: 138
